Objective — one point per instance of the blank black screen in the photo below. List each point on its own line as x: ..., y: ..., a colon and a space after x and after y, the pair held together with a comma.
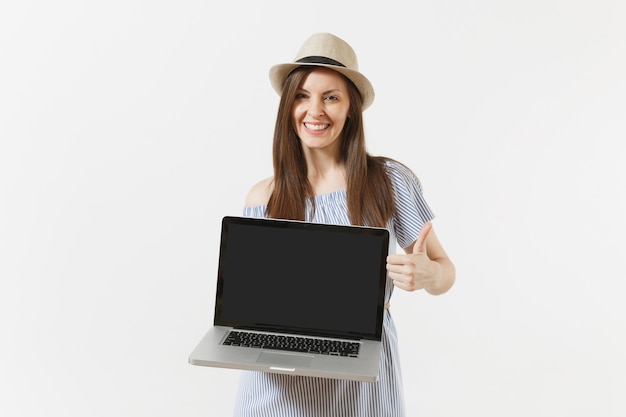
x: 301, y: 277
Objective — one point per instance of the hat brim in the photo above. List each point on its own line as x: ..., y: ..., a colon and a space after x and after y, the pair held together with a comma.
x: 278, y: 74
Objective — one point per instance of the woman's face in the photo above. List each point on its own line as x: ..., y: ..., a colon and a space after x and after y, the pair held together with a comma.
x: 321, y: 109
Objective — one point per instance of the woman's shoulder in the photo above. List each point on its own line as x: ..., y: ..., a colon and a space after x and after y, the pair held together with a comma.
x: 395, y: 168
x: 260, y: 192
x: 393, y: 164
x: 400, y: 173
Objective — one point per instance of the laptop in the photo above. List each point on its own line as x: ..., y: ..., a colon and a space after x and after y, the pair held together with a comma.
x: 298, y: 298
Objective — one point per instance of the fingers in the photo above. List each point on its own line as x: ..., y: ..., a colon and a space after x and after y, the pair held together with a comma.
x: 407, y: 271
x: 420, y: 243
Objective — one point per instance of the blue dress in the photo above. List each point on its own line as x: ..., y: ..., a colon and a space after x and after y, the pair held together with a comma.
x: 264, y: 394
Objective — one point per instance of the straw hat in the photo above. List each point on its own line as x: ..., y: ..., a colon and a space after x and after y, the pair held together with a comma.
x: 326, y: 50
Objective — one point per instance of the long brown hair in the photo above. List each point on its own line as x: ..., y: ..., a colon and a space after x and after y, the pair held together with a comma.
x: 369, y: 192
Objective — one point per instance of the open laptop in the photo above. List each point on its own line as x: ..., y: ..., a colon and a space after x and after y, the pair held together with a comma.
x: 298, y: 298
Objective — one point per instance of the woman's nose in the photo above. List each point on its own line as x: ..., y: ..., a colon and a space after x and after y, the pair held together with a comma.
x: 316, y: 107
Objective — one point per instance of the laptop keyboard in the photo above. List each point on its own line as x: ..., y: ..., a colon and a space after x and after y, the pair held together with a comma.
x: 293, y: 343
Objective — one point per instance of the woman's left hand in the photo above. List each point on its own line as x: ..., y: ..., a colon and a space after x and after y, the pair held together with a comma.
x: 415, y: 270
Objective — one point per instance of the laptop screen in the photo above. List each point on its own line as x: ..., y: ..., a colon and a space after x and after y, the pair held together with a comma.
x: 301, y: 277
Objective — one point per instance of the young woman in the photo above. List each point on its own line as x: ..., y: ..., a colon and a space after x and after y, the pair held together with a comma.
x: 323, y: 174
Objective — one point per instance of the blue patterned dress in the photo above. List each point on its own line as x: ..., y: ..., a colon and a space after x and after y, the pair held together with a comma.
x: 264, y: 394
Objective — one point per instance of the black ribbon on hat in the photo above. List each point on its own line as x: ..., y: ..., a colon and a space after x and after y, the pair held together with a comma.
x: 319, y: 60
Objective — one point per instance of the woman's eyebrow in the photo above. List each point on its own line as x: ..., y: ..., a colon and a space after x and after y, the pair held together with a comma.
x: 332, y: 90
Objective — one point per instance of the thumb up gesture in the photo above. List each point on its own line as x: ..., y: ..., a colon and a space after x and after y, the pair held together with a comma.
x: 414, y: 270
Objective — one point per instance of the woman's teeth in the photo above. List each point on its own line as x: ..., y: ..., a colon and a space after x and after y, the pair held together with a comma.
x: 316, y: 126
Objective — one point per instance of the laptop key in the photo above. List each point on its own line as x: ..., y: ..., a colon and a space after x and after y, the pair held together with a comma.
x: 292, y: 344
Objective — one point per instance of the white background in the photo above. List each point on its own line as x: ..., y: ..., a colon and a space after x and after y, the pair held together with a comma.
x: 129, y: 128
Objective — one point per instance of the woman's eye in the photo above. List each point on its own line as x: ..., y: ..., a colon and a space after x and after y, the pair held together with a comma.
x: 332, y: 98
x: 301, y: 96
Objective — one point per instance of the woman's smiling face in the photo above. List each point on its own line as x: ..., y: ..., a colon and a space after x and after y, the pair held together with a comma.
x: 321, y: 109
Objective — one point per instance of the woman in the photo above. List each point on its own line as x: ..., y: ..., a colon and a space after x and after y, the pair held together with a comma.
x: 322, y: 173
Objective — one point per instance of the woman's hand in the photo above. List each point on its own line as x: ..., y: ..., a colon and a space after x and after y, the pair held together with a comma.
x: 415, y: 270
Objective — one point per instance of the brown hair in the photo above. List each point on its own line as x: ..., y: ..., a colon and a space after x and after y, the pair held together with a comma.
x: 369, y: 192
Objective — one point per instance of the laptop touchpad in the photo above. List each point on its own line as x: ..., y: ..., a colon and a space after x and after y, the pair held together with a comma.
x: 285, y: 359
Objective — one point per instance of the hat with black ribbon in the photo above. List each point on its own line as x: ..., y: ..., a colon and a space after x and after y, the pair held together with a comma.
x: 329, y: 51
